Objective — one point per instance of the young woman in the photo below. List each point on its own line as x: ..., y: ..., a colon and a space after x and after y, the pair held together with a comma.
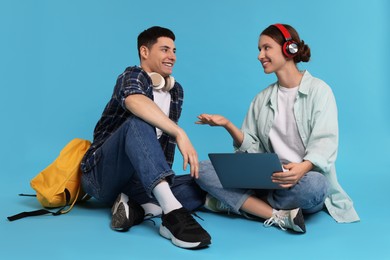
x: 296, y: 117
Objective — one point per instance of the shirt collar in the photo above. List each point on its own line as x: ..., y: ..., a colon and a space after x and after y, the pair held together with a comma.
x: 303, y: 88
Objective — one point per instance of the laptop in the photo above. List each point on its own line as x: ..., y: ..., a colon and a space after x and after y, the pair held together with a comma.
x: 246, y: 170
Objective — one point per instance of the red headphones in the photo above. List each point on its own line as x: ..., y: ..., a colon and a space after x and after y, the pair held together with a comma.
x: 290, y: 47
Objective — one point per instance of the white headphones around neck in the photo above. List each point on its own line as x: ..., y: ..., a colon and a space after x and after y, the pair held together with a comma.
x: 159, y: 82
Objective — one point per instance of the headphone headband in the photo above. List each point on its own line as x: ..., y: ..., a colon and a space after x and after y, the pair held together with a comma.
x: 284, y: 31
x: 290, y: 47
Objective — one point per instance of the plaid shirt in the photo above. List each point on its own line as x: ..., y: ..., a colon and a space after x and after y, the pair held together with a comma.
x: 133, y: 80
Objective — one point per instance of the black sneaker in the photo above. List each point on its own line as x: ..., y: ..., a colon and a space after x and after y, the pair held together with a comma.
x: 183, y: 230
x: 126, y: 213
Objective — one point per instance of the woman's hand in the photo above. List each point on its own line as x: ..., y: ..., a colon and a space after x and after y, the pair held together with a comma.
x: 218, y: 120
x: 212, y: 120
x: 294, y: 172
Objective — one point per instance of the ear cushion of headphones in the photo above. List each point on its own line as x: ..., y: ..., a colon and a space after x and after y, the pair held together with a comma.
x: 170, y: 82
x: 159, y: 82
x: 290, y: 49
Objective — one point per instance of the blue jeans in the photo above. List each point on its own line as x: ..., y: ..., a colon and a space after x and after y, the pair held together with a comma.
x: 132, y: 162
x: 308, y: 194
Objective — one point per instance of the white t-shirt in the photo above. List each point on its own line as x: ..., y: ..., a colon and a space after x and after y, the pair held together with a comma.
x: 163, y: 101
x: 284, y: 135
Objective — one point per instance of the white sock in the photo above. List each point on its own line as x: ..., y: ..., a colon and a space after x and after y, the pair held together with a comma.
x: 165, y: 197
x: 151, y: 210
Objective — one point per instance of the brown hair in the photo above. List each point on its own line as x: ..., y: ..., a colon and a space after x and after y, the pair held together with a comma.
x: 303, y: 54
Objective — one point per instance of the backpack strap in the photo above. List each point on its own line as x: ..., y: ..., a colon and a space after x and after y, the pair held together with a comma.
x: 61, y: 211
x: 45, y: 211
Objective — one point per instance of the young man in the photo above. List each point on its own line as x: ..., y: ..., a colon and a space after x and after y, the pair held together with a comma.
x: 129, y: 162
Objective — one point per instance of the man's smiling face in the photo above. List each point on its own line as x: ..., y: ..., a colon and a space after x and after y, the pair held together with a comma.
x: 160, y: 57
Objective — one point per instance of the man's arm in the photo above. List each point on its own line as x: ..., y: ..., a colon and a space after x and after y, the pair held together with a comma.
x: 144, y: 108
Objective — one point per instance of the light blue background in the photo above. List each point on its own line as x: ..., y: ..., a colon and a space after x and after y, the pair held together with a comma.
x: 59, y: 61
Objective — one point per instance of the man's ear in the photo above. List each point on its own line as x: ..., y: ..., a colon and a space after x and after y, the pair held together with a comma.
x: 144, y: 52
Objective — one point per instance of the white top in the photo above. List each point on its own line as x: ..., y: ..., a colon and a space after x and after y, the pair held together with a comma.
x: 284, y: 135
x: 163, y: 101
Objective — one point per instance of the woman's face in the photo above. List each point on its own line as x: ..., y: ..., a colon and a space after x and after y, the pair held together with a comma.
x: 270, y: 55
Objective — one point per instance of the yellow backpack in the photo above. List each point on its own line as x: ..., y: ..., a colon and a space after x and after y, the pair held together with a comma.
x: 59, y: 184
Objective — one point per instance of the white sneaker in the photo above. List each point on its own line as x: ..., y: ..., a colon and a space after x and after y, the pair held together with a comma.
x: 215, y: 205
x: 292, y: 219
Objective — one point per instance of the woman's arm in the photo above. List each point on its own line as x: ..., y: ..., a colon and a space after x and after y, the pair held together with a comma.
x: 218, y: 120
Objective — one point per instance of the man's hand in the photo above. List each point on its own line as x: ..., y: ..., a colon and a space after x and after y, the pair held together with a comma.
x: 188, y: 152
x: 147, y: 110
x: 294, y: 172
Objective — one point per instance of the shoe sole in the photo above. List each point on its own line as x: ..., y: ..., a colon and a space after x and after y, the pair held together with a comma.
x: 120, y: 214
x: 299, y: 224
x: 180, y: 243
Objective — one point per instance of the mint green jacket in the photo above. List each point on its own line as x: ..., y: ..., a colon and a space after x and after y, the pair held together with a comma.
x: 315, y: 112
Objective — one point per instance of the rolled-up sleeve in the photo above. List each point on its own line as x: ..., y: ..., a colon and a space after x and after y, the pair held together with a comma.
x: 132, y: 81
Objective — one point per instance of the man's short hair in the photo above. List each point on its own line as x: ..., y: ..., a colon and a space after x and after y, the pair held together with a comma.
x: 149, y: 37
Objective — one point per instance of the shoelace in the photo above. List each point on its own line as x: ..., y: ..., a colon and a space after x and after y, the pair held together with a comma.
x: 223, y: 207
x: 196, y: 215
x: 148, y: 217
x: 275, y: 219
x: 188, y: 219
